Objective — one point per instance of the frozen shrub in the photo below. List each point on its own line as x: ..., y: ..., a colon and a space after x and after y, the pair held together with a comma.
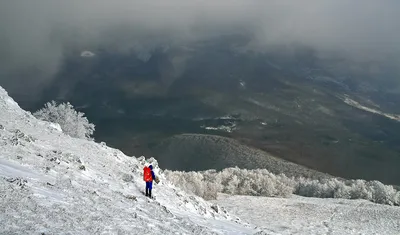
x: 383, y: 194
x: 310, y: 188
x: 284, y: 186
x: 397, y: 199
x: 360, y: 191
x: 193, y: 182
x: 72, y: 123
x: 231, y: 185
x: 232, y: 181
x: 210, y: 191
x: 260, y: 182
x: 342, y: 191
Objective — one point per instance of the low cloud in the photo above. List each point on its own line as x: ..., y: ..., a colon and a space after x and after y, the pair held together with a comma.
x: 35, y: 34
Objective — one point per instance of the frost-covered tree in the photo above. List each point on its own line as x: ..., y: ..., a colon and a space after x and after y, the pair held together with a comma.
x: 260, y: 182
x: 72, y: 122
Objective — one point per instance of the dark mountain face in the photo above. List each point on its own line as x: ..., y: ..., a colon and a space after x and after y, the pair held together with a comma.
x: 289, y: 102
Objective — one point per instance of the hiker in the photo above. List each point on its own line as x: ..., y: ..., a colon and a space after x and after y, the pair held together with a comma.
x: 148, y: 176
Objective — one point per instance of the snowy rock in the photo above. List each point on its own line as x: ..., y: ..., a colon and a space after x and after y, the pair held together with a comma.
x: 141, y: 159
x: 127, y: 177
x: 215, y: 208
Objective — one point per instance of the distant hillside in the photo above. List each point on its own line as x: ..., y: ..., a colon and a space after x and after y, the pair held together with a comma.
x: 201, y: 152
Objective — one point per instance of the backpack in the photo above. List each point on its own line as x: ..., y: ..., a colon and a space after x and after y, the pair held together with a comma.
x: 147, y: 174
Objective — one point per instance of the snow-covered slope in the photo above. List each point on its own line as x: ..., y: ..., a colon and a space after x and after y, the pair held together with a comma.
x: 301, y: 215
x: 51, y: 183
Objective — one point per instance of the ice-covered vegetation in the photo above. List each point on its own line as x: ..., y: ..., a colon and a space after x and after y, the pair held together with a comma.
x: 72, y: 122
x: 261, y: 182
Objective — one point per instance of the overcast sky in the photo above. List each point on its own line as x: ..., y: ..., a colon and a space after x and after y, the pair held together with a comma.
x: 34, y: 32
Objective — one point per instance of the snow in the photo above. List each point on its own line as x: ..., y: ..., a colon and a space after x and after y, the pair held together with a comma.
x: 242, y: 84
x: 225, y: 128
x: 87, y: 54
x: 300, y: 215
x: 9, y: 169
x: 355, y: 104
x: 51, y: 183
x: 56, y: 126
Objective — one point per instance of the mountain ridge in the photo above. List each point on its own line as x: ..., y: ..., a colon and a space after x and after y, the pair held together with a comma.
x: 52, y: 183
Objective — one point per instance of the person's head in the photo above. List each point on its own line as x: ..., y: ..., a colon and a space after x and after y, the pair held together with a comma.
x: 151, y: 167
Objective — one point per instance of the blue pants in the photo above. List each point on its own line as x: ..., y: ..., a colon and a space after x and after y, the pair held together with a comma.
x: 149, y: 185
